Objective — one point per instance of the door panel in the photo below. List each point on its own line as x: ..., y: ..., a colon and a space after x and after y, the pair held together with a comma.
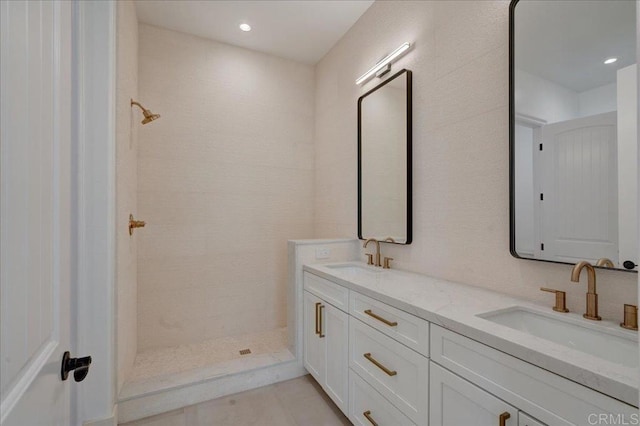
x: 579, y: 175
x: 336, y: 329
x: 314, y: 345
x: 35, y: 58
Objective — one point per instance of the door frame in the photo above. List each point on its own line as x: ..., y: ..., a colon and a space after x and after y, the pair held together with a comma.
x: 94, y: 150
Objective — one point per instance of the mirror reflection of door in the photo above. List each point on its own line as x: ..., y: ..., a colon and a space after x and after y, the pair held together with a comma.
x: 578, y: 174
x: 574, y: 141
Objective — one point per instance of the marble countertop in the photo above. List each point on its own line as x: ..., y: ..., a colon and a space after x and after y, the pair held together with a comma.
x: 455, y: 306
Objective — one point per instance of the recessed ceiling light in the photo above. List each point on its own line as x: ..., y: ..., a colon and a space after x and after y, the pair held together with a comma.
x: 610, y: 60
x: 245, y: 27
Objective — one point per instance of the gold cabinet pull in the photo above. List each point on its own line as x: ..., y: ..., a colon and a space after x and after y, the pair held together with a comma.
x: 320, y: 322
x: 317, y: 322
x: 379, y: 318
x: 380, y: 366
x: 504, y: 417
x: 367, y: 414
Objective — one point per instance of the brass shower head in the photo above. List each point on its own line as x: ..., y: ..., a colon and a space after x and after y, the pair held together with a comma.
x: 148, y: 115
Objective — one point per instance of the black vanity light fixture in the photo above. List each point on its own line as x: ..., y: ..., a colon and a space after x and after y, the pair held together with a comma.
x: 384, y: 63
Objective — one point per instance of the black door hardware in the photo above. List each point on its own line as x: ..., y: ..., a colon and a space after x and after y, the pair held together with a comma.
x: 79, y: 366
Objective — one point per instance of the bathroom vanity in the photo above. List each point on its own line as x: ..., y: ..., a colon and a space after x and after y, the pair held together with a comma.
x: 397, y: 348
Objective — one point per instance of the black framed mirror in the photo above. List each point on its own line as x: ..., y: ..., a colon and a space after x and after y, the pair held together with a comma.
x: 384, y: 161
x: 573, y: 144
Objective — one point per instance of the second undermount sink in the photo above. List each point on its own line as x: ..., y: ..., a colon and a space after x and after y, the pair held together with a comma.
x: 618, y: 346
x: 353, y: 268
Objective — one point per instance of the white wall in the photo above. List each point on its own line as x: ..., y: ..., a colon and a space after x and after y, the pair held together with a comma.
x: 597, y: 100
x: 544, y: 99
x: 225, y: 178
x: 461, y: 145
x: 127, y: 122
x: 627, y: 164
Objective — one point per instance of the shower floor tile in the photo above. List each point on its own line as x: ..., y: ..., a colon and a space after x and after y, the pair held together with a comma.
x: 164, y: 368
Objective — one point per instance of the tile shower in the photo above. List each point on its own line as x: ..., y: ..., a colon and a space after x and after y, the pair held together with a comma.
x: 224, y: 179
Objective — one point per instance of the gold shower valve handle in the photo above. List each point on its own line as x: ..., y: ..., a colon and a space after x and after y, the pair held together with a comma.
x: 135, y: 224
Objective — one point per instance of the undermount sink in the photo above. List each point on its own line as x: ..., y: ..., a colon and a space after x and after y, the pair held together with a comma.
x: 618, y: 346
x: 351, y: 268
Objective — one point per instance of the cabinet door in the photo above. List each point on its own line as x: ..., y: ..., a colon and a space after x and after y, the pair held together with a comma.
x: 314, y: 344
x: 455, y: 402
x: 335, y: 326
x: 525, y: 420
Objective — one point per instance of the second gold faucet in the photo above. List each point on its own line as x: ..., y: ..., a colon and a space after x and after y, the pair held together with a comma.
x: 370, y: 262
x: 592, y: 296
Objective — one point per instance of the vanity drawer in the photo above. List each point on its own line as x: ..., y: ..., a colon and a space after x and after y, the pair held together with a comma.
x: 365, y: 399
x: 525, y: 420
x: 548, y: 397
x: 400, y: 374
x: 405, y: 328
x: 328, y: 291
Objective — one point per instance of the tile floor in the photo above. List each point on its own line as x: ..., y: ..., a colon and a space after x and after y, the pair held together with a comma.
x: 297, y: 402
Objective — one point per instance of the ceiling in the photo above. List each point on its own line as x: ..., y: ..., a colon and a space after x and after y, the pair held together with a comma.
x: 567, y: 41
x: 303, y: 31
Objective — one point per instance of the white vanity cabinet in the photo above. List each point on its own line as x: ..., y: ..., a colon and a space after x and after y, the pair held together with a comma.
x: 376, y: 354
x: 384, y: 366
x: 326, y: 340
x: 548, y: 397
x: 526, y: 420
x: 455, y: 402
x: 368, y: 407
x: 400, y: 374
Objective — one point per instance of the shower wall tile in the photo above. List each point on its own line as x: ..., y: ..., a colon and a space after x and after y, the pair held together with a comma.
x: 460, y: 70
x: 127, y: 123
x: 225, y: 178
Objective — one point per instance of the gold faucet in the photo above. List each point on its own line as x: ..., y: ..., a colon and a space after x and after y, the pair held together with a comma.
x: 592, y: 296
x: 377, y: 263
x: 607, y: 263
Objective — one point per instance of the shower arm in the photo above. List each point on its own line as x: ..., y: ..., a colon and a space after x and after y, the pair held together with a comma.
x: 138, y: 104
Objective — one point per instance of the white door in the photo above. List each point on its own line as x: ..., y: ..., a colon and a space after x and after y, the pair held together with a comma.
x: 455, y: 402
x: 335, y: 324
x: 35, y: 141
x: 314, y: 341
x: 580, y: 193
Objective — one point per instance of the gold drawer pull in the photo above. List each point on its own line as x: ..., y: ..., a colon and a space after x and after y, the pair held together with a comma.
x: 379, y: 318
x: 504, y: 417
x: 317, y: 321
x: 380, y: 366
x: 367, y: 414
x: 320, y: 322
